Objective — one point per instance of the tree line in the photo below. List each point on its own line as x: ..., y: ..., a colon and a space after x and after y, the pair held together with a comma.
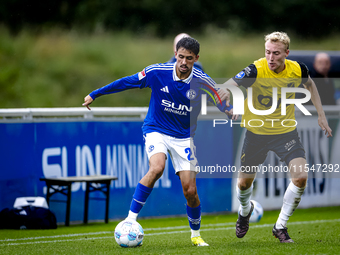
x: 313, y: 18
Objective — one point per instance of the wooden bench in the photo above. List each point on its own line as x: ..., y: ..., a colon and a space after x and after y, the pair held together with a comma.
x: 64, y: 185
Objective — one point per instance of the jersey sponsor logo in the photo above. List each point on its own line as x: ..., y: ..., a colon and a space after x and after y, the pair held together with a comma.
x: 191, y: 94
x: 141, y: 74
x: 165, y: 89
x: 266, y: 101
x: 240, y: 75
x: 180, y: 109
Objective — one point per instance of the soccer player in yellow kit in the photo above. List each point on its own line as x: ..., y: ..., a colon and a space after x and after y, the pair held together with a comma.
x: 268, y: 132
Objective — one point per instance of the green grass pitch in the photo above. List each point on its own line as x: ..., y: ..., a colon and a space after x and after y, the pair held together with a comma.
x: 314, y: 230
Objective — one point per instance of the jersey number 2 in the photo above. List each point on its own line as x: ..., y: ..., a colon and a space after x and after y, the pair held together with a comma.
x: 188, y: 150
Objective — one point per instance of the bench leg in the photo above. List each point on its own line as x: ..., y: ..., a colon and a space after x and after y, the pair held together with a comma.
x: 107, y: 201
x: 48, y: 194
x: 86, y: 206
x: 68, y: 204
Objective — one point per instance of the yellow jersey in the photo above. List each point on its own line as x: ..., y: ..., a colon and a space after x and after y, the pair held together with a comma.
x: 262, y: 80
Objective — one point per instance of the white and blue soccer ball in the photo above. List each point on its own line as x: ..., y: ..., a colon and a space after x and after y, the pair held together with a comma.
x: 129, y: 233
x: 257, y: 213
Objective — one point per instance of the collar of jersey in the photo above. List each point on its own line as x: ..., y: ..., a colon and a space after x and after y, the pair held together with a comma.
x: 187, y: 80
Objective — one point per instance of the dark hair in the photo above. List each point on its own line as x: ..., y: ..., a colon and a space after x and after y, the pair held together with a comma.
x: 189, y: 43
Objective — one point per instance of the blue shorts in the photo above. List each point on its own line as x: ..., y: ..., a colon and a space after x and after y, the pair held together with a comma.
x: 255, y: 147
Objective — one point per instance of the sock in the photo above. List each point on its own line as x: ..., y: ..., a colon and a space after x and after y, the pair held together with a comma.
x: 139, y: 198
x: 195, y: 233
x: 291, y: 200
x: 132, y: 215
x: 244, y: 199
x: 194, y: 217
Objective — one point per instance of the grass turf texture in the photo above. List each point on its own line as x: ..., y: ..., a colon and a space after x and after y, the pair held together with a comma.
x: 314, y: 230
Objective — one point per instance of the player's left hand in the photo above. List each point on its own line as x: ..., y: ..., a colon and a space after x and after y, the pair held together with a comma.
x: 224, y: 94
x: 230, y: 113
x: 324, y: 126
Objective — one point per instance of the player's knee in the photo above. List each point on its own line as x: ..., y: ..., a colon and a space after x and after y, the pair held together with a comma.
x: 190, y: 192
x: 300, y: 182
x: 244, y: 184
x: 156, y: 171
x: 299, y: 179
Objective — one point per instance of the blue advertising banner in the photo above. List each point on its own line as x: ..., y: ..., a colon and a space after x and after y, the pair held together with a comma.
x: 59, y: 149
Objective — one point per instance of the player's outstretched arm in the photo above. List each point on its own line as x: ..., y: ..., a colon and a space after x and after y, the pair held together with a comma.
x: 87, y: 101
x: 129, y: 82
x: 315, y: 97
x: 225, y: 95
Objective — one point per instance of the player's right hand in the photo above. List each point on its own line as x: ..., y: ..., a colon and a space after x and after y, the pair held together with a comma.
x: 231, y: 114
x: 87, y: 101
x: 324, y: 125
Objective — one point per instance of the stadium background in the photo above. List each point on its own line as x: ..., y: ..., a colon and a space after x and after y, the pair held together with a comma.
x: 52, y: 54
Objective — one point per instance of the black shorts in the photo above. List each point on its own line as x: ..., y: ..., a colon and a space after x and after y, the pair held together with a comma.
x: 255, y: 147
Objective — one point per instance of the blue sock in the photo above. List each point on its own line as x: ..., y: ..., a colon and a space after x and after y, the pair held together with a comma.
x: 194, y: 217
x: 139, y: 197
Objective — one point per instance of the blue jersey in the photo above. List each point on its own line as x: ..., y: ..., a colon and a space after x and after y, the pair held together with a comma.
x: 174, y: 104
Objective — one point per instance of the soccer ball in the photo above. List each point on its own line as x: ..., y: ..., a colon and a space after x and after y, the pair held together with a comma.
x: 257, y: 213
x: 129, y: 233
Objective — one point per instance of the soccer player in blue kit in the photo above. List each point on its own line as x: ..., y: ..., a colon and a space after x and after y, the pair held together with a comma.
x: 170, y: 124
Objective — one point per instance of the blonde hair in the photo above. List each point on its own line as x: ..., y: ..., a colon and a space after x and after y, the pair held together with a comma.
x: 278, y: 37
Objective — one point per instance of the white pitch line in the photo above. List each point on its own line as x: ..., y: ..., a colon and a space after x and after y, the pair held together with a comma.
x: 253, y: 226
x: 56, y: 236
x: 110, y: 232
x: 59, y: 241
x: 186, y: 226
x: 163, y: 233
